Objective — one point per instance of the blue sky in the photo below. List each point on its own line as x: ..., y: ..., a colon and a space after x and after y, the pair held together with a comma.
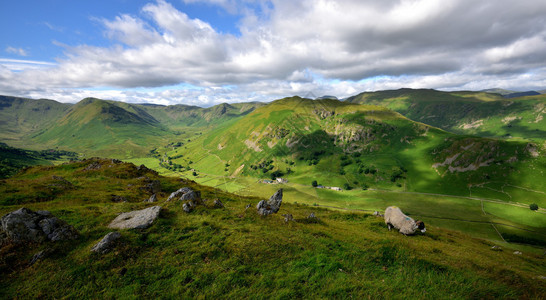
x: 204, y: 52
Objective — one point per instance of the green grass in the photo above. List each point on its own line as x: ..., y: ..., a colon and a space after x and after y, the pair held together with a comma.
x: 491, y: 114
x: 235, y: 253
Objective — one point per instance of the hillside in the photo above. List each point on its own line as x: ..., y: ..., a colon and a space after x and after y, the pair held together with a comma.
x: 21, y: 117
x: 181, y: 116
x: 232, y: 252
x: 106, y: 128
x: 337, y: 142
x: 375, y: 156
x: 14, y: 159
x: 98, y: 127
x: 476, y: 113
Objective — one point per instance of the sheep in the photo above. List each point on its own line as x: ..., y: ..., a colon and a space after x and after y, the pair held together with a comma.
x: 394, y: 217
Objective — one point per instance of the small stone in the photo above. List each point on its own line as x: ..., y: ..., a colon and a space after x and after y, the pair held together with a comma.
x: 218, y: 204
x: 107, y: 243
x: 288, y: 218
x: 248, y: 206
x: 39, y: 256
x: 377, y: 214
x: 496, y: 248
x: 517, y: 253
x: 188, y: 207
x: 152, y: 199
x: 311, y: 216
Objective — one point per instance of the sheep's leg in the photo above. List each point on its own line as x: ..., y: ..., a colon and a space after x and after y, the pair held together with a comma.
x: 389, y: 226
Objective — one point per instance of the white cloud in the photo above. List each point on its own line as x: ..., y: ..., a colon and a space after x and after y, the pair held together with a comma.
x: 18, y: 51
x: 293, y: 47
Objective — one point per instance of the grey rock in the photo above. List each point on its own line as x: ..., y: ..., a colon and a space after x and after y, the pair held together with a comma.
x: 248, y: 206
x: 152, y: 199
x: 377, y: 214
x: 185, y: 194
x: 193, y: 196
x: 107, y: 243
x: 39, y: 256
x: 288, y: 218
x: 137, y: 219
x: 25, y: 225
x: 270, y: 206
x: 311, y: 216
x: 496, y: 248
x: 95, y: 165
x: 188, y: 207
x: 218, y: 204
x: 517, y: 253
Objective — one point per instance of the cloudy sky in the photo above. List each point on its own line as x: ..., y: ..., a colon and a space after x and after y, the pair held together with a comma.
x: 204, y: 52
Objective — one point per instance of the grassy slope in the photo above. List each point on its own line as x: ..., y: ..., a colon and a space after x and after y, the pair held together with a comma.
x: 478, y: 113
x: 397, y: 142
x: 20, y: 118
x: 234, y: 253
x: 104, y: 128
x: 357, y: 138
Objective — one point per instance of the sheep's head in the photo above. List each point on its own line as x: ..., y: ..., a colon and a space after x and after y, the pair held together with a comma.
x: 421, y: 226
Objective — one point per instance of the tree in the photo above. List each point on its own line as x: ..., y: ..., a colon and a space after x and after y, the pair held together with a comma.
x: 533, y: 206
x: 194, y: 173
x: 314, y: 183
x: 347, y: 187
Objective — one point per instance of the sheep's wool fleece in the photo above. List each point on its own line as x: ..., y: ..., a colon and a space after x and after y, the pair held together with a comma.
x: 399, y: 220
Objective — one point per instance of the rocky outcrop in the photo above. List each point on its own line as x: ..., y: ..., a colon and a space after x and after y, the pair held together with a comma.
x: 186, y: 194
x: 270, y: 206
x: 25, y: 225
x: 137, y: 219
x: 107, y: 243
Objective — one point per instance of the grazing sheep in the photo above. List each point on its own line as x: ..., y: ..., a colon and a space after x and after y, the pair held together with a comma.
x: 394, y: 217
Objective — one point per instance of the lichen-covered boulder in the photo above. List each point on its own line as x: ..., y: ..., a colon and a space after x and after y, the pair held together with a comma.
x: 270, y: 206
x: 25, y: 225
x: 107, y: 243
x: 137, y: 219
x: 186, y: 194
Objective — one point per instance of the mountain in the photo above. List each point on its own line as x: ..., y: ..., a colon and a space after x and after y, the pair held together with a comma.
x: 498, y: 91
x: 179, y: 116
x: 106, y: 128
x: 521, y: 94
x: 233, y: 252
x: 21, y: 117
x: 356, y: 146
x: 477, y: 113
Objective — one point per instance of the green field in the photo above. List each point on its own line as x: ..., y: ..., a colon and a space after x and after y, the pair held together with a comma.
x: 235, y: 253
